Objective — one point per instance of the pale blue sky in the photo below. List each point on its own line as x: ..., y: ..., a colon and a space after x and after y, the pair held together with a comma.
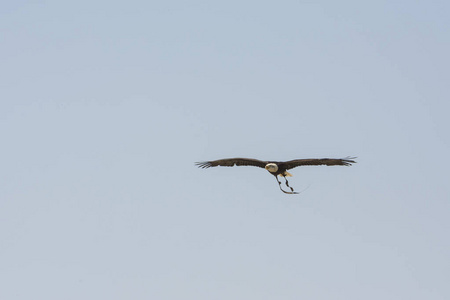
x: 106, y: 105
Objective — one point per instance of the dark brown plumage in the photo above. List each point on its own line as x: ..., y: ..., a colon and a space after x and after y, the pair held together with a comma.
x: 277, y: 168
x: 230, y: 162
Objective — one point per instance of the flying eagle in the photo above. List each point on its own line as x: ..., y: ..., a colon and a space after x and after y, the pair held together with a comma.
x: 277, y: 168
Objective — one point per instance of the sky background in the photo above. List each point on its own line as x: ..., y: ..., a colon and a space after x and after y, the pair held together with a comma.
x: 106, y: 105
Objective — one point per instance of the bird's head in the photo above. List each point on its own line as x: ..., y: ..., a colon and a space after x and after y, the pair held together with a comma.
x: 271, y: 167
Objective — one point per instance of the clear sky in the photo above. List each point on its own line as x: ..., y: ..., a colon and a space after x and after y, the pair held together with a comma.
x: 106, y: 105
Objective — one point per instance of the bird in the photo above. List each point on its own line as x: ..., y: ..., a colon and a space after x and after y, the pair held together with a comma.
x: 277, y: 168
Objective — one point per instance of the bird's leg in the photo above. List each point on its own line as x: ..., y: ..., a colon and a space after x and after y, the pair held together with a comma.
x: 279, y: 184
x: 287, y: 183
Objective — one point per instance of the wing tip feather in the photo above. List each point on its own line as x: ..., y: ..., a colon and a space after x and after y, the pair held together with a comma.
x: 349, y: 160
x: 203, y: 164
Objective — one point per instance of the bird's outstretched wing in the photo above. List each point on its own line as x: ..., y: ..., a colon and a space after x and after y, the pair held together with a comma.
x: 348, y: 161
x: 230, y: 162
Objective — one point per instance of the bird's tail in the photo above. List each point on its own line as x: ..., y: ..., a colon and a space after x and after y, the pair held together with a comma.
x: 286, y: 174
